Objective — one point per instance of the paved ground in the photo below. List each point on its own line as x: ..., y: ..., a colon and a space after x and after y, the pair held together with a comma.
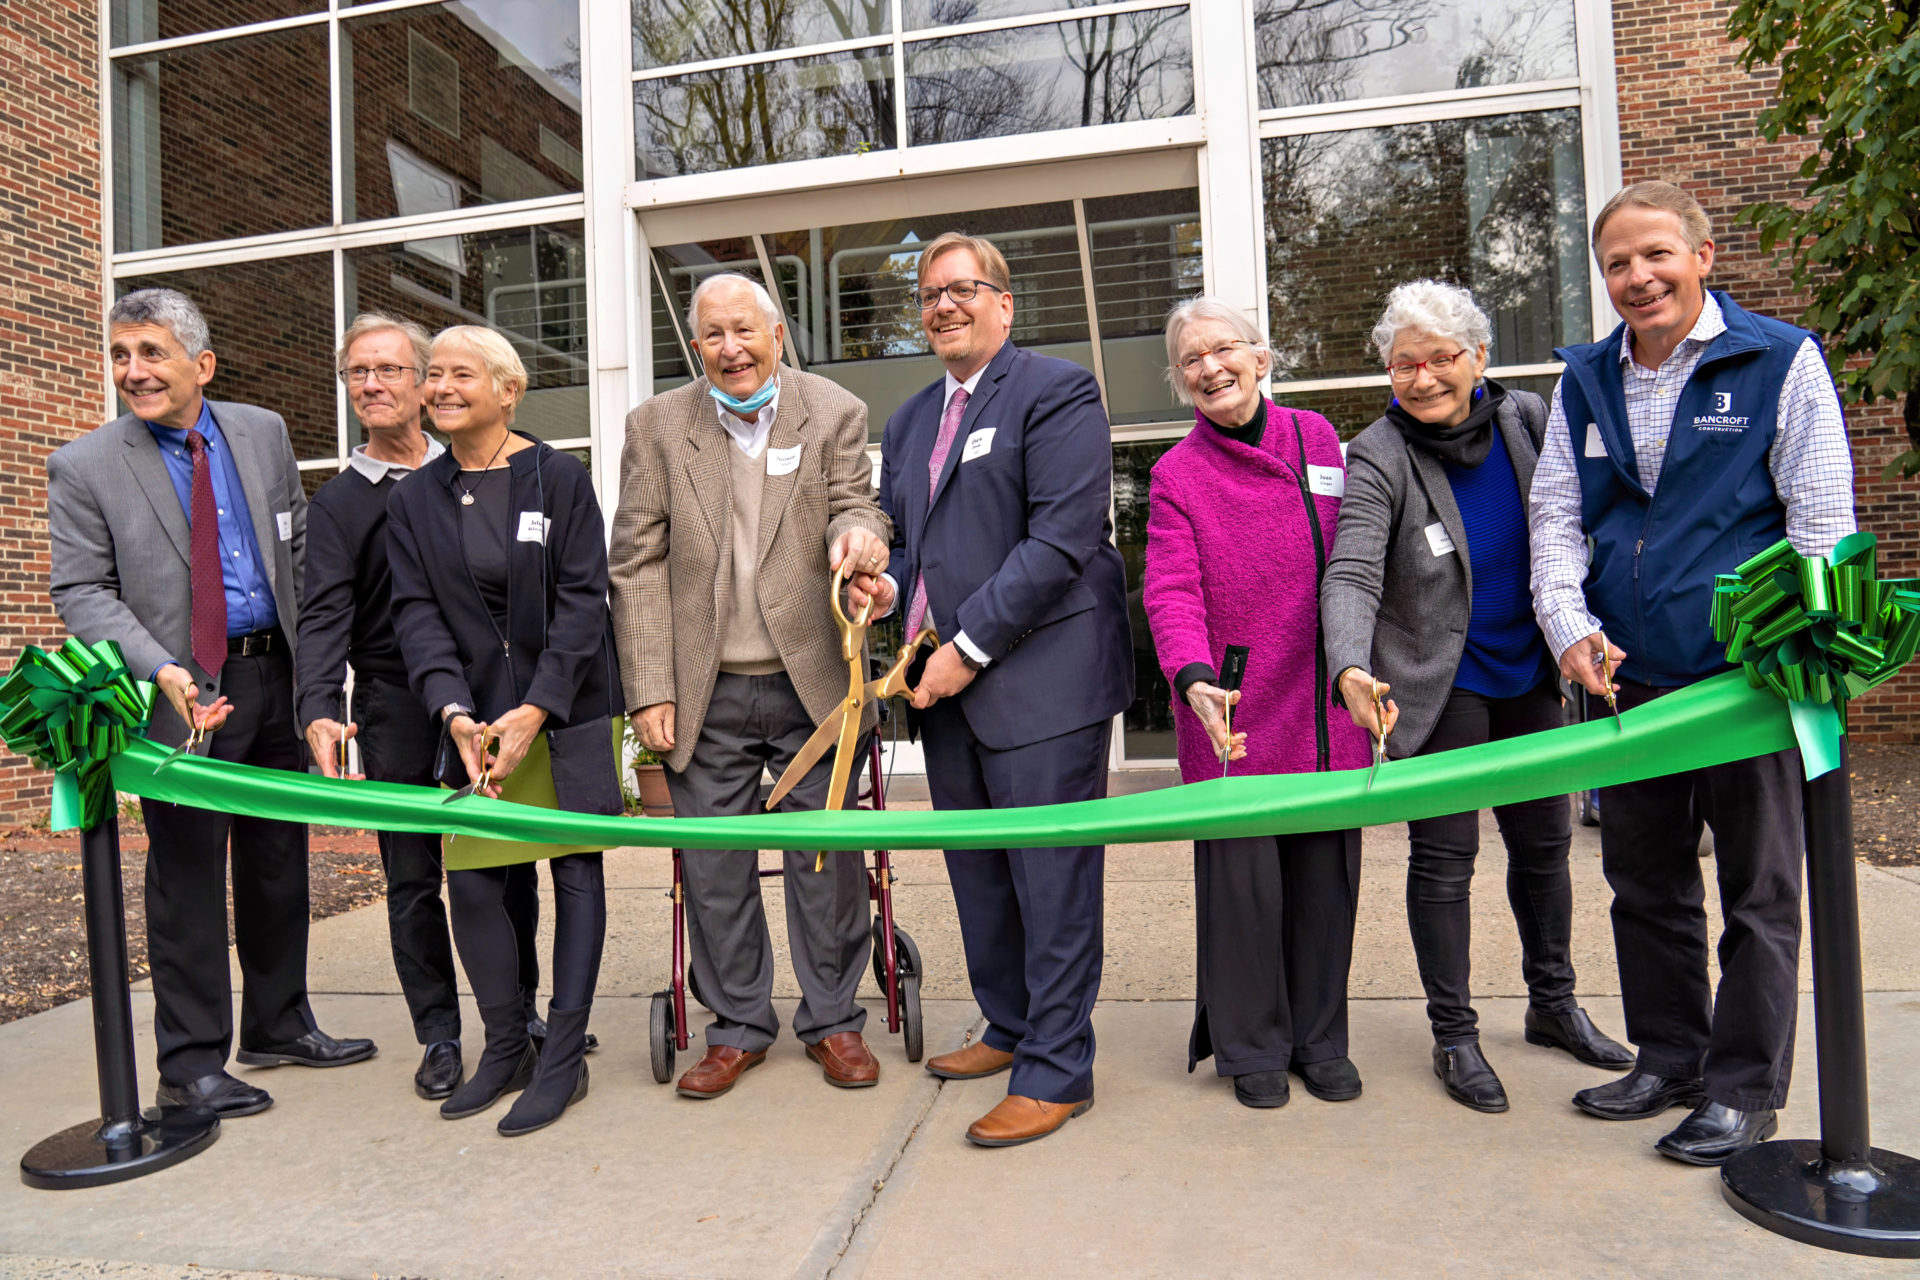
x: 351, y: 1175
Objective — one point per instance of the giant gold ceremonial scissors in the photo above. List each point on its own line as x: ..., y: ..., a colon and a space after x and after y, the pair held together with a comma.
x: 841, y: 729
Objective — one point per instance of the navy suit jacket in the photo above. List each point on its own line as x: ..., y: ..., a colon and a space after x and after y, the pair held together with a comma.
x: 1016, y: 543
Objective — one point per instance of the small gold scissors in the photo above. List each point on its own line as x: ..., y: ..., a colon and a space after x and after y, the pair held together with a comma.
x: 199, y: 734
x: 841, y: 729
x: 480, y: 783
x: 1380, y: 738
x: 1606, y: 674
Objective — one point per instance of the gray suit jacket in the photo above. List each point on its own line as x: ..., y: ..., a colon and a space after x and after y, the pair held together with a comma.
x: 120, y: 542
x: 670, y: 567
x: 1388, y: 604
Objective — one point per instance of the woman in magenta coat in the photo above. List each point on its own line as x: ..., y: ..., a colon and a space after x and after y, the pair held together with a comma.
x: 1241, y: 517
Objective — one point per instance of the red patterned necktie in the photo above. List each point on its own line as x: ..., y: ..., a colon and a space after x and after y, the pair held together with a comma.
x: 208, y: 585
x: 942, y: 446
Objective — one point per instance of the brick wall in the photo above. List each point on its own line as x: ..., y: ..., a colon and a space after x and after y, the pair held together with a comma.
x: 50, y: 307
x: 1687, y: 114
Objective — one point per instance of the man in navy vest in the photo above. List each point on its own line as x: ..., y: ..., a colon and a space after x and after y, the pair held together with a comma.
x: 1693, y: 436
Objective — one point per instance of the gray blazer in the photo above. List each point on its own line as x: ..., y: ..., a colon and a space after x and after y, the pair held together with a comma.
x: 1389, y: 604
x: 120, y: 543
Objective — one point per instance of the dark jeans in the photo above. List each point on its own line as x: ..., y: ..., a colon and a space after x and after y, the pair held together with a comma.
x: 1275, y: 918
x: 1741, y: 1040
x: 187, y: 893
x: 1537, y: 834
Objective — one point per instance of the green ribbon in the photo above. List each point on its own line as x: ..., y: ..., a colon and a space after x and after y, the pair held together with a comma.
x: 1816, y: 631
x: 1713, y: 722
x: 74, y: 711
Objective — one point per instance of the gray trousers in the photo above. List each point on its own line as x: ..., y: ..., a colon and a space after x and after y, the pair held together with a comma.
x: 756, y: 721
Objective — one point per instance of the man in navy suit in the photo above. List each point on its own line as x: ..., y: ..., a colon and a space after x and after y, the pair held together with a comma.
x: 997, y: 479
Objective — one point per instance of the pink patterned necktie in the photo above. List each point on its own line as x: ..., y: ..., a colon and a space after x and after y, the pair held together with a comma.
x: 942, y: 446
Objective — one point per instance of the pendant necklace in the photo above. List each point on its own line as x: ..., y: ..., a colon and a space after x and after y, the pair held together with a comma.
x: 466, y: 494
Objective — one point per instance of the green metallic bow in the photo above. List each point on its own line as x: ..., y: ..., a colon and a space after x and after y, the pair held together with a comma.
x: 72, y: 710
x: 1817, y: 630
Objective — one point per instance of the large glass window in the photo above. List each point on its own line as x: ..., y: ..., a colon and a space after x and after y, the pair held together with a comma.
x: 141, y: 21
x: 1313, y: 51
x: 839, y: 104
x: 528, y: 282
x: 468, y: 103
x: 670, y: 33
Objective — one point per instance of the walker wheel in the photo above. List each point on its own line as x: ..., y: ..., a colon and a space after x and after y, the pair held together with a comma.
x: 912, y: 1029
x: 660, y: 1036
x: 906, y: 956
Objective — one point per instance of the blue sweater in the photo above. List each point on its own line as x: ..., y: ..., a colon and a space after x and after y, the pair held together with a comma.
x: 1505, y: 655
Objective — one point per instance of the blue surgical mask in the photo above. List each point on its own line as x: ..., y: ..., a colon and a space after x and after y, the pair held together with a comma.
x: 752, y: 404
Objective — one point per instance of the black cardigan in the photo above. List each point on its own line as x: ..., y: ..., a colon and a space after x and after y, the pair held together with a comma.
x: 557, y: 652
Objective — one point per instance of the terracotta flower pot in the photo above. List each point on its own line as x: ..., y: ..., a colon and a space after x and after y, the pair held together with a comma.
x: 650, y: 782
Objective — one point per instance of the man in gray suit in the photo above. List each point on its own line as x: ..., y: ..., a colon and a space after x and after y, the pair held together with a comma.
x: 741, y: 493
x: 177, y: 531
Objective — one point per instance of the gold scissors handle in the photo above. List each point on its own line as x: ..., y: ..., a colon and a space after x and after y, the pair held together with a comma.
x: 1379, y: 738
x: 1606, y: 677
x: 197, y: 733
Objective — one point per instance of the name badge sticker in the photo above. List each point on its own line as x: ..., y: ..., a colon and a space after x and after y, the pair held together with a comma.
x: 283, y: 520
x: 978, y: 443
x: 533, y: 528
x: 1328, y: 482
x: 1596, y: 447
x: 782, y: 462
x: 1437, y: 539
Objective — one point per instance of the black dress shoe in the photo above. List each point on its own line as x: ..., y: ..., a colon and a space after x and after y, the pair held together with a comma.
x: 314, y: 1049
x: 1713, y: 1134
x: 1334, y: 1080
x: 1638, y: 1095
x: 440, y: 1071
x: 1469, y: 1081
x: 1262, y: 1089
x: 219, y: 1093
x: 1574, y: 1031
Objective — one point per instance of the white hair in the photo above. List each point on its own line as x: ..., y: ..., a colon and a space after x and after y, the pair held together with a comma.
x: 760, y: 295
x: 1199, y: 308
x: 1428, y: 306
x: 168, y: 308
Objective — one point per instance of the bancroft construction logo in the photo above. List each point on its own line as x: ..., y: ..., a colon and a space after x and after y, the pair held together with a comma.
x: 1720, y: 419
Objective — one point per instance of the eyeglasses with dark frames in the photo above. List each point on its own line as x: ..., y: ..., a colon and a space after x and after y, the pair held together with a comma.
x: 961, y: 291
x: 389, y: 374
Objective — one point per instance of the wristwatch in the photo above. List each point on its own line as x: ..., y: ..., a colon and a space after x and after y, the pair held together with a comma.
x: 452, y: 709
x: 967, y: 660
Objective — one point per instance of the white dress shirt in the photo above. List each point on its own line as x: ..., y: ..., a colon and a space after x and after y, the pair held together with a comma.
x: 751, y: 437
x: 1811, y: 465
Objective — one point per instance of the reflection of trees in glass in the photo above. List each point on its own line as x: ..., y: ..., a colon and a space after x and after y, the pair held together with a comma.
x: 1098, y: 70
x: 1308, y: 51
x: 669, y: 32
x: 1494, y: 204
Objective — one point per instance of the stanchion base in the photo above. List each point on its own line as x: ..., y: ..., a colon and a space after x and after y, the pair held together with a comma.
x: 83, y: 1157
x: 1789, y: 1187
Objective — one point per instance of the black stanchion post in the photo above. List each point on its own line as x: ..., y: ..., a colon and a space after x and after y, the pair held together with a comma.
x: 122, y: 1143
x: 1841, y: 1192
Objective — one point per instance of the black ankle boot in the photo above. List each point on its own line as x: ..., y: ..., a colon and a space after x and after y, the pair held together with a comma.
x: 1468, y: 1078
x: 561, y: 1078
x: 506, y: 1065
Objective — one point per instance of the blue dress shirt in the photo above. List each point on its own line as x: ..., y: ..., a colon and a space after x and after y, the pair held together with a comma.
x: 250, y: 604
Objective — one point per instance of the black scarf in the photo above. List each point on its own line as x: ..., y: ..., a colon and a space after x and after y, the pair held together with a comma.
x: 1248, y: 432
x: 1463, y: 445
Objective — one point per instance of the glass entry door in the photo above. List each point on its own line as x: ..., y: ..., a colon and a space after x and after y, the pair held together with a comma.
x: 1093, y: 280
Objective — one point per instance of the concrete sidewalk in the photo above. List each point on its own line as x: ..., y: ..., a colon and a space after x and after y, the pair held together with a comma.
x: 351, y: 1175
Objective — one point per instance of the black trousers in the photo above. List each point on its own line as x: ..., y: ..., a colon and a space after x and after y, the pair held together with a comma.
x: 1031, y: 920
x: 187, y: 893
x: 1537, y: 834
x: 1739, y: 1040
x: 495, y: 952
x: 1275, y: 917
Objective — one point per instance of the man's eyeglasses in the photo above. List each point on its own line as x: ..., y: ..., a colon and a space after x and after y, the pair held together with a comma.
x: 1221, y: 352
x: 1439, y: 365
x: 961, y: 291
x: 390, y: 374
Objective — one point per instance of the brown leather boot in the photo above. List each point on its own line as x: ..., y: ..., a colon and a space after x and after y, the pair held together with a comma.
x: 971, y: 1063
x: 846, y: 1061
x: 1017, y: 1120
x: 717, y: 1071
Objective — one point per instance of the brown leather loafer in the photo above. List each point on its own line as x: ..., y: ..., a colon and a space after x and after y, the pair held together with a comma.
x: 846, y: 1061
x: 971, y: 1063
x: 1017, y: 1120
x: 717, y: 1071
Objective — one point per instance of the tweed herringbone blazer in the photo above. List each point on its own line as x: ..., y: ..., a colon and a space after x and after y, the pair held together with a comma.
x: 671, y: 560
x: 120, y: 541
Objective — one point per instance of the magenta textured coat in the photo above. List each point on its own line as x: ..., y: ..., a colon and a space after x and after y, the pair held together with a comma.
x: 1230, y: 560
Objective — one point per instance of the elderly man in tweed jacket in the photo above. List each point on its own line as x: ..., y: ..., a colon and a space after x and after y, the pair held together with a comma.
x: 741, y: 494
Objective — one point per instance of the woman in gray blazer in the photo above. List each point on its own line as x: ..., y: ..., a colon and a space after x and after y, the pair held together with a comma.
x: 1426, y: 593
